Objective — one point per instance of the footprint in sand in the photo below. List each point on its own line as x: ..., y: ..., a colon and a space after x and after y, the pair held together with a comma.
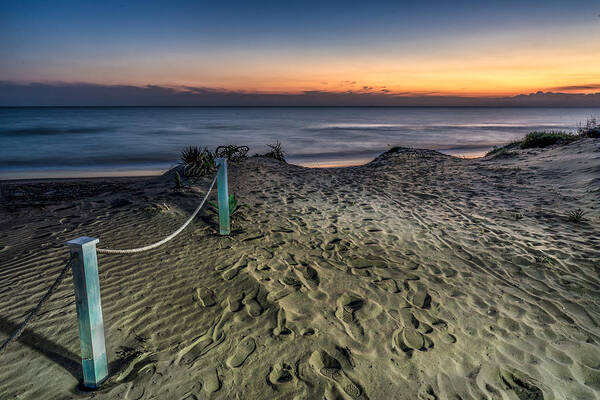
x: 281, y: 329
x: 234, y: 301
x: 241, y: 352
x: 252, y: 305
x: 347, y: 305
x: 521, y: 384
x: 330, y: 368
x: 408, y: 338
x: 281, y: 374
x: 278, y: 294
x: 232, y: 272
x: 420, y: 298
x: 206, y: 297
x: 414, y: 334
x: 211, y: 381
x: 389, y: 285
x: 290, y: 279
x: 309, y: 275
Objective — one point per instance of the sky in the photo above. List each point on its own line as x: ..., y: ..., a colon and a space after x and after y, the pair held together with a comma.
x: 396, y: 48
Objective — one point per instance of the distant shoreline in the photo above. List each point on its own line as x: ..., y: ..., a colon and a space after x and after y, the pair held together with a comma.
x: 315, y: 106
x: 99, y: 173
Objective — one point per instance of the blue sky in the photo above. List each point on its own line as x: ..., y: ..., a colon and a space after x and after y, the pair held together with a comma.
x: 411, y: 46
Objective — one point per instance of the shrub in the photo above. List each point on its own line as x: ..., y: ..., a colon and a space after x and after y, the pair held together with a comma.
x: 177, y: 180
x: 591, y: 128
x: 231, y: 152
x: 545, y: 139
x: 197, y: 162
x: 576, y: 216
x: 276, y: 152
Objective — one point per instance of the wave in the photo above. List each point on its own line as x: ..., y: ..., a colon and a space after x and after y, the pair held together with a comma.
x: 422, y: 127
x: 357, y: 127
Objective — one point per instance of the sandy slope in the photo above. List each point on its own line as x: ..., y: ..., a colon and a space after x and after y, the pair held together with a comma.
x: 417, y: 276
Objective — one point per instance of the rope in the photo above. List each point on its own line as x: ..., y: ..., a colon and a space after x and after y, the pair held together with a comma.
x: 15, y: 335
x: 165, y: 240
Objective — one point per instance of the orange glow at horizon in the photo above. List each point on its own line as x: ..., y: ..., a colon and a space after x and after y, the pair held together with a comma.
x: 493, y: 64
x: 457, y: 76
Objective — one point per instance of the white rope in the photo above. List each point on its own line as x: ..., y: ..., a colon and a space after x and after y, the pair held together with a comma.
x: 165, y: 240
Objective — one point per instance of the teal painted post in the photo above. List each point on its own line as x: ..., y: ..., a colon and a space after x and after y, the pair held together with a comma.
x: 89, y: 310
x: 223, y: 196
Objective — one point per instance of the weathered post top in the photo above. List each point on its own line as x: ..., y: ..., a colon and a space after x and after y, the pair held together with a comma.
x: 82, y: 241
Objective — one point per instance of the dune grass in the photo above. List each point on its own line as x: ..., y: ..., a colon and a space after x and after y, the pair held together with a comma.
x: 540, y: 139
x: 544, y: 139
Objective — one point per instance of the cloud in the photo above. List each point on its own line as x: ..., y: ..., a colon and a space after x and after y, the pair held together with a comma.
x: 589, y: 86
x: 86, y: 94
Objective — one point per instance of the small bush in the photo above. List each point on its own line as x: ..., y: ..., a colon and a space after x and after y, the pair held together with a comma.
x: 591, y: 128
x: 231, y: 152
x: 197, y: 162
x: 545, y: 139
x: 276, y: 152
x: 177, y: 180
x: 576, y: 216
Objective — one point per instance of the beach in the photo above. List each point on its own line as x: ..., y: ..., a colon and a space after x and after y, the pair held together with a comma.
x: 415, y: 276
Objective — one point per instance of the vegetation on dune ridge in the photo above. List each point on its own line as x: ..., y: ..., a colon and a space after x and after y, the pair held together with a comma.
x: 545, y: 139
x: 590, y: 129
x: 197, y: 161
x: 232, y: 152
x: 276, y: 152
x: 540, y: 139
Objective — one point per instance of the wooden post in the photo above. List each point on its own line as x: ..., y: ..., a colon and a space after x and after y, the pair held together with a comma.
x: 89, y: 311
x: 223, y: 196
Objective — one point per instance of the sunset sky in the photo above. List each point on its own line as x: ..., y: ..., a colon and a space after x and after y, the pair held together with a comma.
x: 467, y: 48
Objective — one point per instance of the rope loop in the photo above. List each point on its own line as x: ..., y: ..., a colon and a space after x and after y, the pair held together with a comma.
x: 165, y: 240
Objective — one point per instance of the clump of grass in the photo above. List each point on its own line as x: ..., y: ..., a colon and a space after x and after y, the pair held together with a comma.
x: 235, y: 208
x: 197, y: 162
x: 591, y: 128
x: 276, y: 152
x: 177, y: 180
x: 232, y: 152
x: 545, y: 139
x: 538, y: 139
x: 576, y: 216
x: 503, y: 150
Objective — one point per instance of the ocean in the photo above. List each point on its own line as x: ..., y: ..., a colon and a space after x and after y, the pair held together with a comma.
x: 105, y: 141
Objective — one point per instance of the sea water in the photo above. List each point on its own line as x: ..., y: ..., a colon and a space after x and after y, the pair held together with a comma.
x: 96, y: 141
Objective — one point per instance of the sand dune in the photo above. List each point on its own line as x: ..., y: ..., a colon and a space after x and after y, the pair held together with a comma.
x: 416, y: 276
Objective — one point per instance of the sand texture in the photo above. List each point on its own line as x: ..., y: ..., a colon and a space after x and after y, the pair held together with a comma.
x: 416, y: 276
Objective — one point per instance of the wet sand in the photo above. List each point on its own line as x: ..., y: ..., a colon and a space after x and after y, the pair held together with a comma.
x: 416, y: 276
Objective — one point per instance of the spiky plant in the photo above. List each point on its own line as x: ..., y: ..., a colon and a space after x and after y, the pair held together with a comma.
x: 197, y: 162
x: 576, y: 216
x: 235, y: 207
